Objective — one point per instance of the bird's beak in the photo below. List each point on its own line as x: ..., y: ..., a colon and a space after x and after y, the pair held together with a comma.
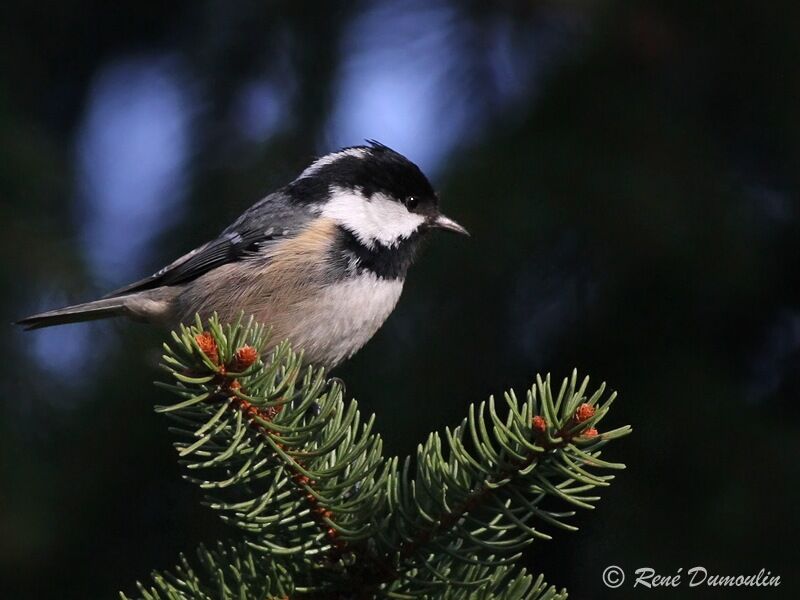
x: 442, y: 222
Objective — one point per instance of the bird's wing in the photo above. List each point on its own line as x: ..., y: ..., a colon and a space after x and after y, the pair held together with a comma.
x: 266, y: 222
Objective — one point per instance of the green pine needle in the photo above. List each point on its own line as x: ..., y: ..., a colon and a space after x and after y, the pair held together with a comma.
x: 322, y: 513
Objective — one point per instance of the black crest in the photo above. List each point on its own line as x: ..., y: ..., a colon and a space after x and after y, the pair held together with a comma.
x: 374, y: 168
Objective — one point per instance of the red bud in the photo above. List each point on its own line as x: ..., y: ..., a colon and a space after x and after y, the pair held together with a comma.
x: 584, y: 413
x: 208, y: 346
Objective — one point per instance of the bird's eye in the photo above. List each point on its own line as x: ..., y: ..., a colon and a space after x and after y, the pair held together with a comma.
x: 411, y: 202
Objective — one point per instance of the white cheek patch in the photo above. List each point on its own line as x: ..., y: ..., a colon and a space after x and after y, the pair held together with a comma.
x: 332, y: 158
x: 377, y: 219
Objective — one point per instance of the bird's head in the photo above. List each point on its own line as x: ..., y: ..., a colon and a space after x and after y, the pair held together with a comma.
x: 375, y: 194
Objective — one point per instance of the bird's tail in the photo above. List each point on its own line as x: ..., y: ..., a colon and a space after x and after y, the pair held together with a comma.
x: 88, y: 311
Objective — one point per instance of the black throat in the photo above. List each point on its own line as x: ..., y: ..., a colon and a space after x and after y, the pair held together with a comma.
x: 383, y: 261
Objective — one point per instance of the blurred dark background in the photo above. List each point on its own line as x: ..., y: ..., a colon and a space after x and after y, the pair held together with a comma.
x: 629, y: 172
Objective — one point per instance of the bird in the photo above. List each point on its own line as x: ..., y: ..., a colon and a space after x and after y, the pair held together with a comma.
x: 321, y: 261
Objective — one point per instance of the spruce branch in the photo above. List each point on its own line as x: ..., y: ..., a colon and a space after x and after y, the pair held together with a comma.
x: 272, y: 444
x: 480, y: 497
x: 282, y: 457
x: 227, y: 572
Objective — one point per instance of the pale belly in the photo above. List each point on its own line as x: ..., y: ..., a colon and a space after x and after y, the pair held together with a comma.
x: 329, y: 323
x: 338, y: 320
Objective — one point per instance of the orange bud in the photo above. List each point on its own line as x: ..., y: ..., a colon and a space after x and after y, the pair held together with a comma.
x: 538, y: 424
x: 245, y: 356
x: 208, y: 346
x: 585, y: 412
x: 590, y: 433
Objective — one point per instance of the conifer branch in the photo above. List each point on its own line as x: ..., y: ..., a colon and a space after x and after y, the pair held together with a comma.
x: 227, y: 572
x: 282, y: 457
x: 477, y: 502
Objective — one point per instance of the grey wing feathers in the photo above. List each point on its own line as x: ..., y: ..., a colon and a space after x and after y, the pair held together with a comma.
x: 227, y: 248
x: 270, y: 219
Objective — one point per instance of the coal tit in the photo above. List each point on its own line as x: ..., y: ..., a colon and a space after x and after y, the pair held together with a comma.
x: 321, y: 260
